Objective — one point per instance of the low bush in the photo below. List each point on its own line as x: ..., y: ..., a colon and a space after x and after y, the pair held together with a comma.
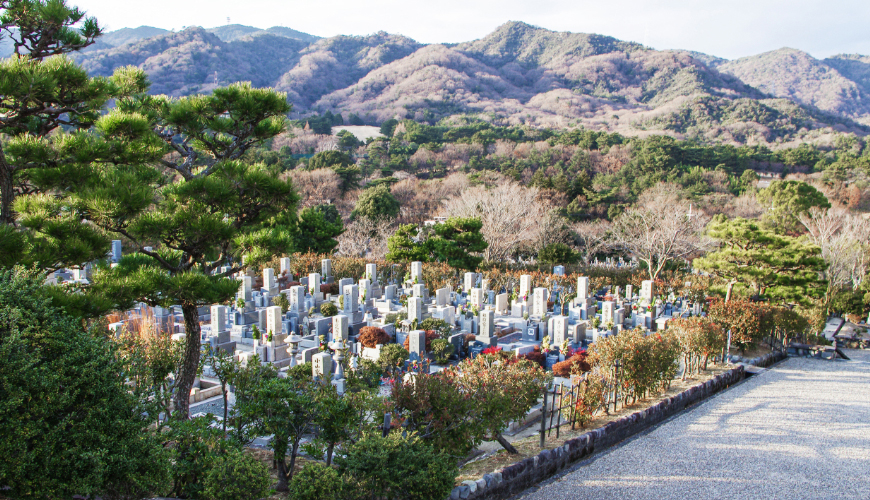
x: 441, y: 351
x: 317, y: 481
x: 371, y: 336
x: 439, y: 325
x: 331, y: 288
x: 536, y: 356
x: 237, y: 476
x: 392, y: 357
x: 574, y: 365
x: 396, y: 468
x: 328, y: 309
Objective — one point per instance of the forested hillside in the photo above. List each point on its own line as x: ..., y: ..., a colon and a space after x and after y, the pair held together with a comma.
x: 517, y: 75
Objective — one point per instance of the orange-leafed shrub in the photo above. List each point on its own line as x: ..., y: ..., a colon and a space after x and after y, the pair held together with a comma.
x: 371, y: 336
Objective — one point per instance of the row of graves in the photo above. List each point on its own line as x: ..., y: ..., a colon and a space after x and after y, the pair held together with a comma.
x: 534, y: 317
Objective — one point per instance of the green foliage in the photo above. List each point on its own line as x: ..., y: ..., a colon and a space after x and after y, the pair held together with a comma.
x: 328, y: 309
x: 330, y: 159
x: 286, y: 409
x: 70, y: 426
x: 347, y: 141
x: 395, y: 467
x: 786, y: 268
x: 376, y: 203
x: 392, y: 356
x: 389, y: 126
x: 237, y: 476
x: 453, y: 242
x: 441, y: 351
x: 314, y: 233
x: 439, y: 325
x: 317, y: 481
x: 197, y: 449
x: 787, y: 201
x: 648, y: 363
x: 557, y: 253
x: 462, y: 405
x: 281, y: 301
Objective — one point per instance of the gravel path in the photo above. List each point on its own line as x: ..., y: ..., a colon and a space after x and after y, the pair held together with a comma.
x: 800, y: 430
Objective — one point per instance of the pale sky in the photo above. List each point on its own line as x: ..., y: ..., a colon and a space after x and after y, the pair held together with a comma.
x: 725, y: 28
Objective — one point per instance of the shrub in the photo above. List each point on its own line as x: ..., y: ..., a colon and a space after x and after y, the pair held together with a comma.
x: 441, y: 350
x: 430, y: 336
x: 237, y: 476
x: 575, y: 364
x: 316, y: 481
x: 396, y: 467
x: 281, y: 301
x: 536, y: 356
x: 69, y: 424
x: 469, y: 338
x: 491, y: 350
x: 392, y: 356
x: 648, y: 363
x: 331, y: 288
x: 328, y: 309
x: 557, y: 253
x: 439, y: 325
x: 699, y: 338
x: 371, y: 336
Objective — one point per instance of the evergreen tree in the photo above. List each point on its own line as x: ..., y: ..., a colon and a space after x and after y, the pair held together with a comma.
x: 454, y: 241
x: 314, y: 233
x: 783, y: 267
x: 376, y: 203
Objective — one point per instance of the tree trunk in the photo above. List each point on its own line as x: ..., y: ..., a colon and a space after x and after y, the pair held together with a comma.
x: 329, y: 450
x: 504, y: 442
x: 728, y: 293
x: 282, y: 475
x: 293, y: 457
x: 189, y: 361
x: 224, y: 392
x: 7, y: 195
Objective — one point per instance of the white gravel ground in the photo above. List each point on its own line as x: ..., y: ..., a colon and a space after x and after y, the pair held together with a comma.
x: 800, y: 430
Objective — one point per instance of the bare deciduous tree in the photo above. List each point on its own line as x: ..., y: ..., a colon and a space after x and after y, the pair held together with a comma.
x: 592, y: 238
x: 661, y: 228
x: 511, y: 214
x: 843, y: 238
x: 316, y: 187
x: 365, y: 237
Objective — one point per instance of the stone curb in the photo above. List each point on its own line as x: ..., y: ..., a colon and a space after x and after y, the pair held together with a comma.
x: 518, y: 477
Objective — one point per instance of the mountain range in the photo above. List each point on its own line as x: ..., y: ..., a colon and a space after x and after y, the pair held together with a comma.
x: 518, y: 74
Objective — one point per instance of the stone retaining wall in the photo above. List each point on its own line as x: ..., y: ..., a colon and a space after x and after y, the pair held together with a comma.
x: 767, y: 359
x: 526, y: 473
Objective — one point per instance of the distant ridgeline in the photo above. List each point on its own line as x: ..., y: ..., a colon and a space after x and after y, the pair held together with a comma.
x: 517, y: 75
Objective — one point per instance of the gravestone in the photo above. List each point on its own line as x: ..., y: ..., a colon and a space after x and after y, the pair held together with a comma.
x: 417, y: 345
x: 116, y: 250
x: 340, y: 325
x: 486, y: 330
x: 582, y: 288
x: 246, y: 292
x: 525, y: 285
x: 447, y: 313
x: 442, y: 296
x: 326, y: 268
x: 647, y: 290
x: 458, y: 342
x: 285, y: 266
x: 629, y: 291
x: 343, y: 283
x: 501, y: 303
x: 560, y: 330
x: 390, y: 292
x: 269, y: 282
x: 296, y: 298
x: 540, y: 302
x: 308, y: 354
x: 274, y: 320
x: 372, y: 272
x: 321, y: 366
x: 469, y: 282
x: 484, y: 285
x: 559, y: 270
x: 577, y: 333
x: 351, y: 298
x: 417, y: 272
x: 475, y: 296
x: 218, y: 319
x: 419, y: 290
x: 415, y: 309
x: 314, y: 286
x: 365, y: 289
x: 263, y: 320
x: 606, y: 312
